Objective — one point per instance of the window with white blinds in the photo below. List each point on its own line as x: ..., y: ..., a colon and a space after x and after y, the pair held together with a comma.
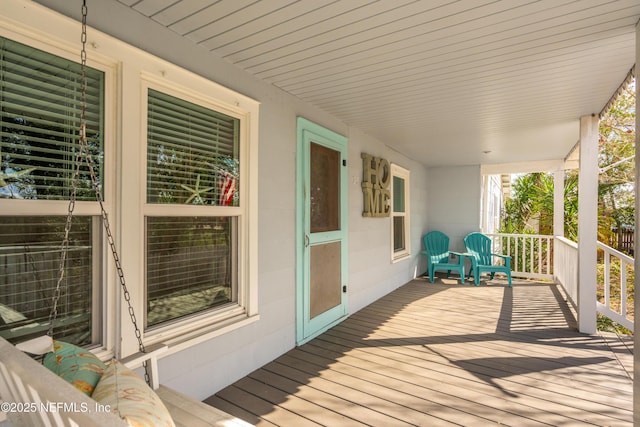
x: 190, y: 266
x: 192, y: 153
x: 40, y: 117
x: 181, y: 196
x: 192, y: 159
x: 29, y: 265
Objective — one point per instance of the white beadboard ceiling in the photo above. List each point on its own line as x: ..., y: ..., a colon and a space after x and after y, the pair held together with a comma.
x: 445, y: 82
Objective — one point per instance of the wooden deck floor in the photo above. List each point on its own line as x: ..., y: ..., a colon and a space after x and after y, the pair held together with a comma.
x: 445, y: 354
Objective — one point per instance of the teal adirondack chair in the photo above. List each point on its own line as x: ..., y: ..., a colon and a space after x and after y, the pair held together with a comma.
x: 438, y: 255
x: 479, y: 250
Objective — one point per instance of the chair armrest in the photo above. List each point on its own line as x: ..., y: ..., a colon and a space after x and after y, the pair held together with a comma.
x: 506, y: 258
x: 461, y: 256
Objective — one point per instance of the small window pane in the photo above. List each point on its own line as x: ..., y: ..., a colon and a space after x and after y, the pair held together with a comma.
x: 190, y: 266
x: 29, y: 264
x: 398, y: 194
x: 325, y: 189
x: 40, y: 117
x: 192, y: 153
x: 398, y: 234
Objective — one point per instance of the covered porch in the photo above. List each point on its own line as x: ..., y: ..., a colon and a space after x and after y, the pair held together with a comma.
x: 414, y: 357
x: 448, y: 91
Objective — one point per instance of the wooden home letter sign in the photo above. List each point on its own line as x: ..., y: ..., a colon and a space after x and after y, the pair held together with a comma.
x: 376, y: 176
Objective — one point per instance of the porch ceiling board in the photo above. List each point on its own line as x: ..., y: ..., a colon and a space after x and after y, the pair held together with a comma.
x: 441, y: 81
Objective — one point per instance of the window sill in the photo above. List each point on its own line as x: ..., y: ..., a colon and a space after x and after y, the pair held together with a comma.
x: 400, y: 257
x: 176, y: 340
x: 186, y: 340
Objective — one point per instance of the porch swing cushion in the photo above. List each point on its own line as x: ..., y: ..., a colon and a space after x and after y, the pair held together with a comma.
x: 131, y: 398
x: 75, y: 365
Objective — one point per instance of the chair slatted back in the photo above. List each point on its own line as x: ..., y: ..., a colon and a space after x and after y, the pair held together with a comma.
x: 480, y: 246
x: 436, y: 244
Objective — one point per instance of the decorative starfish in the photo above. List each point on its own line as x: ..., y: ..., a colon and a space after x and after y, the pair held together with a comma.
x: 196, y: 192
x: 10, y: 176
x: 6, y: 185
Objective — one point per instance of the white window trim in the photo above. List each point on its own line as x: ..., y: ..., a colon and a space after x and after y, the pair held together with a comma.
x: 146, y: 71
x: 179, y: 84
x: 405, y: 174
x: 126, y: 69
x: 24, y: 32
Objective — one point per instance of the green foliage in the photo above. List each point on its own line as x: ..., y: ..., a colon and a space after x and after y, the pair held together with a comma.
x: 529, y: 203
x: 616, y: 199
x: 616, y: 161
x: 603, y: 323
x: 615, y: 280
x: 530, y: 209
x: 571, y: 205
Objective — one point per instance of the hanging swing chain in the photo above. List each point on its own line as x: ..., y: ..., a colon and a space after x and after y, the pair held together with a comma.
x: 64, y: 249
x: 83, y: 152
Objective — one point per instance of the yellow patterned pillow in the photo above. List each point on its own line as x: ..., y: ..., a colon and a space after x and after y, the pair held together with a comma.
x: 131, y: 398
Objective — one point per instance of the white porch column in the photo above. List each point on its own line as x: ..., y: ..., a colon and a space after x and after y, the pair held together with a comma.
x: 558, y: 203
x: 484, y: 209
x: 636, y: 322
x: 587, y: 223
x: 558, y: 213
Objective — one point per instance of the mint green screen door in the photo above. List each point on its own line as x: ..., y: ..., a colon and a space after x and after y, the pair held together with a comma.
x: 321, y: 229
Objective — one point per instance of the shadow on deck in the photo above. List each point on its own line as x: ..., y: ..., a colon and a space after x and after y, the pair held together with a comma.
x: 446, y: 354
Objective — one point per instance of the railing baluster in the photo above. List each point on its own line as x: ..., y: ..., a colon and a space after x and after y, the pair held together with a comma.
x: 623, y: 288
x: 523, y: 256
x: 527, y: 254
x: 540, y: 252
x: 606, y: 308
x: 607, y: 278
x: 549, y: 248
x: 532, y: 248
x: 526, y: 244
x: 544, y: 256
x: 524, y: 265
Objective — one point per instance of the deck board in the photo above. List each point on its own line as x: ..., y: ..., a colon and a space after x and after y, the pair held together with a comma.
x: 229, y: 408
x: 443, y: 354
x: 475, y: 396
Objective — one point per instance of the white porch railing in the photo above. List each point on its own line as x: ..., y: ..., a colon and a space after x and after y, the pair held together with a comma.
x: 565, y: 260
x: 531, y: 254
x: 547, y: 257
x: 617, y: 275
